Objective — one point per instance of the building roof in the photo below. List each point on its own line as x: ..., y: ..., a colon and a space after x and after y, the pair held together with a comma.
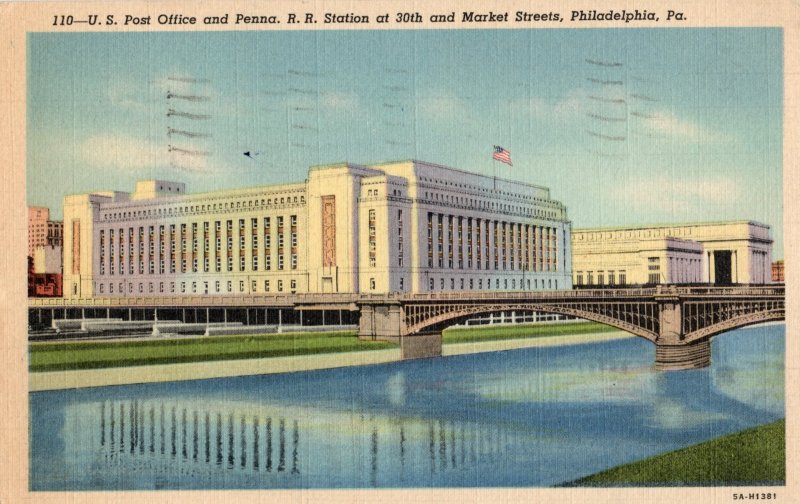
x: 670, y: 225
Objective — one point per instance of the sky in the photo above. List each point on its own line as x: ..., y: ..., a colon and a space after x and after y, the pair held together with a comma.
x: 625, y: 126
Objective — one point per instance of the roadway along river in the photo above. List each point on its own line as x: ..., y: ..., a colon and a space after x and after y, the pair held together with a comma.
x: 531, y: 417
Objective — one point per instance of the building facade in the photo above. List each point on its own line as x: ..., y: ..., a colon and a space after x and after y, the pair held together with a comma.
x: 41, y: 230
x: 397, y: 227
x: 714, y: 252
x: 777, y: 271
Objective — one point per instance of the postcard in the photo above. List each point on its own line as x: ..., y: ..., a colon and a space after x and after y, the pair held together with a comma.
x: 484, y: 251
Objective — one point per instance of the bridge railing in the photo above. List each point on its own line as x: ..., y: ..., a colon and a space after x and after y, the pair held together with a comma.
x: 593, y: 293
x: 552, y: 294
x: 286, y: 300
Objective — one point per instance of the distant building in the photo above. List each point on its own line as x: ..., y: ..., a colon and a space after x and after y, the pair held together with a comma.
x: 714, y: 252
x: 42, y: 230
x: 406, y: 226
x: 43, y: 284
x: 47, y: 259
x: 777, y: 271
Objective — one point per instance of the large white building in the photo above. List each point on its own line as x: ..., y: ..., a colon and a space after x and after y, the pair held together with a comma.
x: 404, y: 226
x: 709, y: 252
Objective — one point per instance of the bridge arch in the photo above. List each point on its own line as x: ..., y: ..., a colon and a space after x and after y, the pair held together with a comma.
x: 734, y: 323
x: 440, y: 321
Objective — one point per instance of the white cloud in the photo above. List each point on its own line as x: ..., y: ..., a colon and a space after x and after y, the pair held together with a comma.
x: 665, y: 194
x: 572, y: 104
x: 126, y: 94
x: 441, y: 106
x: 669, y: 124
x: 128, y: 153
x: 338, y: 100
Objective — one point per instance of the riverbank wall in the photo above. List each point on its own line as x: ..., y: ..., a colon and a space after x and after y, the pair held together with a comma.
x: 61, y: 380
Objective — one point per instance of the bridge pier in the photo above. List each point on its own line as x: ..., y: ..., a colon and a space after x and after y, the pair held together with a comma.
x: 383, y: 322
x: 673, y: 352
x: 694, y: 355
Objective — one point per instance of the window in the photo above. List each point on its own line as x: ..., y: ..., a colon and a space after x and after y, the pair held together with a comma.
x: 241, y: 285
x: 372, y: 239
x: 293, y: 285
x: 371, y: 284
x: 266, y: 285
x: 430, y: 284
x: 230, y: 286
x: 401, y: 283
x: 579, y: 278
x: 430, y: 240
x: 400, y: 238
x: 280, y: 285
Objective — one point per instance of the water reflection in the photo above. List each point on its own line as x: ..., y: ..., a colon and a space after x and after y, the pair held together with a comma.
x: 244, y: 438
x: 243, y: 444
x: 522, y: 418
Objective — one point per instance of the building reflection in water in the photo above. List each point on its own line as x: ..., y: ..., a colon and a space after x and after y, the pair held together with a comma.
x: 212, y: 441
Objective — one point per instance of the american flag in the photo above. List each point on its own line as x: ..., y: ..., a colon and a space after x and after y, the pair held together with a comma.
x: 502, y: 155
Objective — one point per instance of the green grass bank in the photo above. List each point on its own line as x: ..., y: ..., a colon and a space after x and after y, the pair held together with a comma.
x: 755, y: 456
x: 63, y: 356
x: 488, y: 333
x: 60, y: 356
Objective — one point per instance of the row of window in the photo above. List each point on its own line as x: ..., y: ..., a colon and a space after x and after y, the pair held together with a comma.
x: 490, y: 205
x: 612, y: 278
x: 462, y: 185
x: 471, y: 283
x: 188, y: 256
x: 372, y: 243
x: 505, y: 284
x: 215, y: 207
x: 490, y: 244
x: 203, y: 287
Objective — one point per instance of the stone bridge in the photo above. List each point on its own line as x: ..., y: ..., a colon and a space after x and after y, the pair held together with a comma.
x: 679, y: 320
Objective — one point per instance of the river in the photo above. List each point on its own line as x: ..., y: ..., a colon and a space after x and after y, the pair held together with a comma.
x: 520, y: 418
